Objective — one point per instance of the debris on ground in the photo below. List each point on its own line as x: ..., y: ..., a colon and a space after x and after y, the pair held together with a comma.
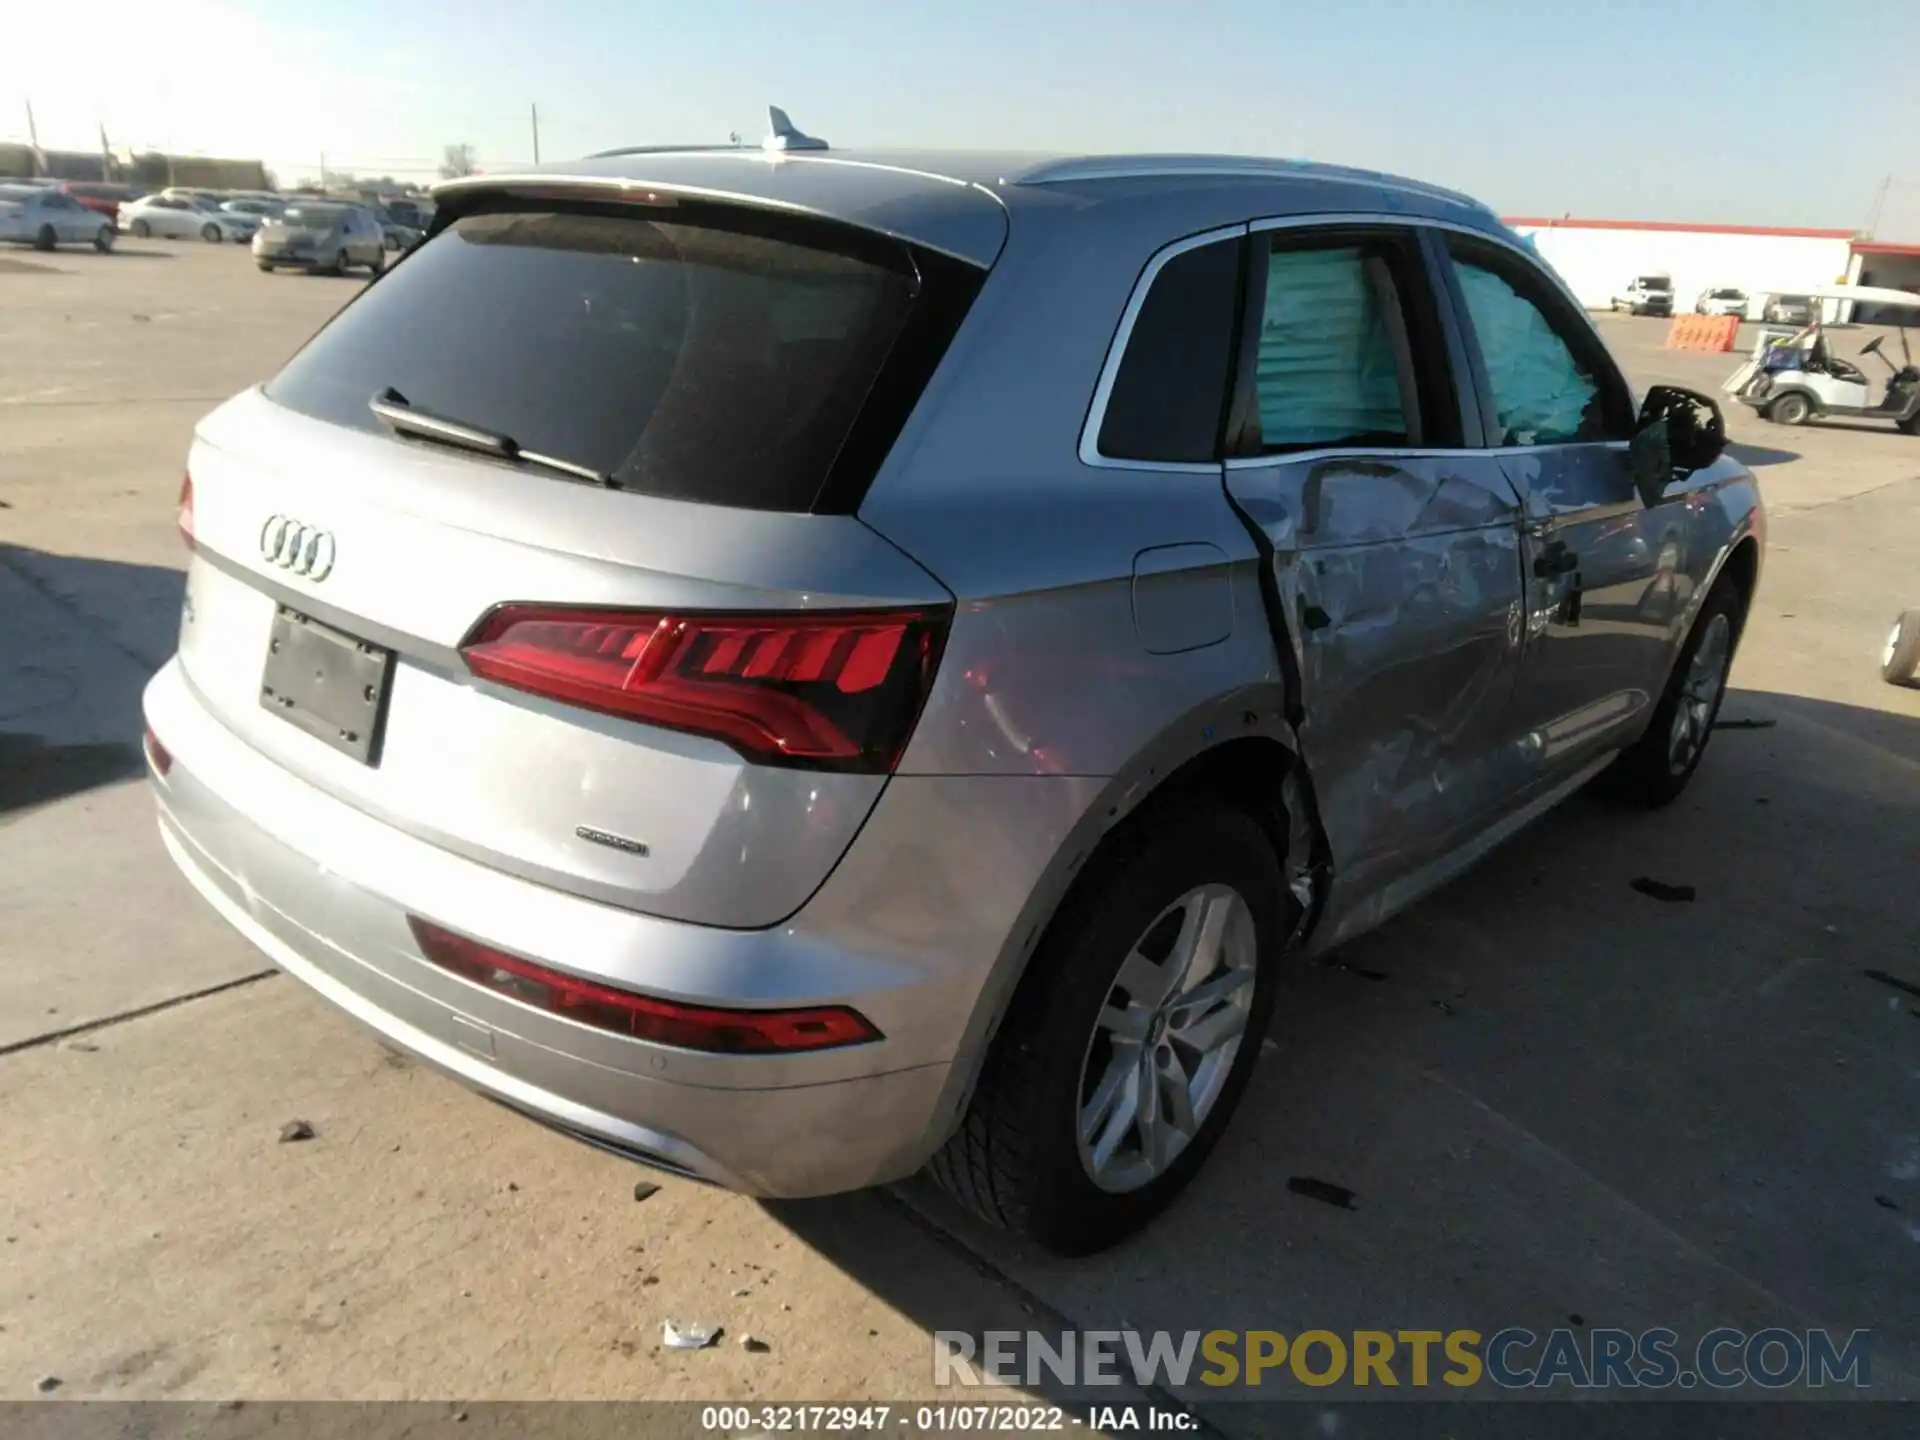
x: 688, y: 1337
x: 754, y: 1345
x: 1660, y: 890
x: 85, y: 1047
x: 645, y: 1190
x: 1443, y: 1006
x: 295, y: 1130
x: 742, y: 1292
x: 1361, y: 971
x: 1894, y: 980
x: 1322, y: 1190
x: 1886, y: 1202
x: 1576, y: 1318
x: 47, y: 1384
x: 1745, y: 724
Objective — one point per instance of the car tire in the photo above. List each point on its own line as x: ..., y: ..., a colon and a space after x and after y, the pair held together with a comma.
x: 1791, y: 408
x: 1020, y: 1158
x: 140, y: 229
x: 210, y: 233
x: 1900, y: 658
x: 1910, y: 425
x: 103, y: 239
x: 1653, y: 770
x: 46, y: 239
x: 264, y: 267
x: 378, y: 263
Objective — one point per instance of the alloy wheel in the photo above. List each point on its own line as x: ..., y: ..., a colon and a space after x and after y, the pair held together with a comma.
x: 1700, y: 693
x: 1165, y: 1041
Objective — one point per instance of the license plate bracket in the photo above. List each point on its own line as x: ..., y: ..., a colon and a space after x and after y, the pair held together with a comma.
x: 328, y: 683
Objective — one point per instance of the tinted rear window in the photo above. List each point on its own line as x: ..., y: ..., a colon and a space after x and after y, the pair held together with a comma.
x: 701, y: 353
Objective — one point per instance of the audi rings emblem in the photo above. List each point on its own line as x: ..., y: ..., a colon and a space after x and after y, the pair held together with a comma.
x: 304, y: 549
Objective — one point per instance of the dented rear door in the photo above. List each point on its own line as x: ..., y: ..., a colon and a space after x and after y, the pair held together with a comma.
x: 1396, y: 549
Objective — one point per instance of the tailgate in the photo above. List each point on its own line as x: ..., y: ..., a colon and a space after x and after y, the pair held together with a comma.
x: 336, y: 555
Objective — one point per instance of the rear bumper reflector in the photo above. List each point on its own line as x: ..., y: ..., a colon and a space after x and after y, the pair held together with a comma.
x: 645, y: 1017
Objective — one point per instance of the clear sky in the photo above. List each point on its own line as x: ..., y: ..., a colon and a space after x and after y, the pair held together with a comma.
x: 1738, y: 111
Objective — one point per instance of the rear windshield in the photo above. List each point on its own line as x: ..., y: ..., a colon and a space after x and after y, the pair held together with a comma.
x: 327, y: 215
x: 1655, y: 282
x: 703, y: 353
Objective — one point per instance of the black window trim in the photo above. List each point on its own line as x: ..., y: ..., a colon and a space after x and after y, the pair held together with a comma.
x: 1535, y: 285
x: 1427, y: 358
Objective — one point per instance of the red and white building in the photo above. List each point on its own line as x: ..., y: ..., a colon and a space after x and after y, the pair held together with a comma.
x: 1598, y: 258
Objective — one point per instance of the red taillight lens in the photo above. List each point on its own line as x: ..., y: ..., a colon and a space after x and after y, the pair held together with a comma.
x: 665, y: 1022
x: 184, y: 512
x: 837, y: 690
x: 158, y: 755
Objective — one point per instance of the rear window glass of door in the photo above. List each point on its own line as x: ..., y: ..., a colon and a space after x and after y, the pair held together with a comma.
x: 703, y: 353
x: 1330, y: 361
x: 1549, y: 382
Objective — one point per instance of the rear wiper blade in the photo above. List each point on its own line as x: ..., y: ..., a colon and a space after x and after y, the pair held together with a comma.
x: 391, y: 406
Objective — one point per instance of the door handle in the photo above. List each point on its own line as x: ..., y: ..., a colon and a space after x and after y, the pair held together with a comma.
x: 1555, y: 559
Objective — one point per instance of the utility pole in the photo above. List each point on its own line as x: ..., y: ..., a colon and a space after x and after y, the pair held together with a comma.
x: 323, y: 172
x: 535, y: 109
x: 1879, y: 204
x: 33, y: 132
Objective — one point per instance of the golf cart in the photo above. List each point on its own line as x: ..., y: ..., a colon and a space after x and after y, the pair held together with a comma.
x: 1794, y: 378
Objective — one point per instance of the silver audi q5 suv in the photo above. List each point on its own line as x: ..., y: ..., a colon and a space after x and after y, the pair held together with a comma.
x: 798, y: 666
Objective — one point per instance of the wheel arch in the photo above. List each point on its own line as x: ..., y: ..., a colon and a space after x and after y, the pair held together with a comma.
x: 1239, y: 749
x: 1738, y: 557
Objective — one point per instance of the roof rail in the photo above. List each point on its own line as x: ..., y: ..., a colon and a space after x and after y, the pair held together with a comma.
x: 1148, y: 167
x: 782, y: 134
x: 662, y: 150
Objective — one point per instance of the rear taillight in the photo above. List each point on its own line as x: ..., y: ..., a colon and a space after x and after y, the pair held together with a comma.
x: 836, y: 690
x: 665, y: 1022
x: 158, y: 756
x: 184, y: 511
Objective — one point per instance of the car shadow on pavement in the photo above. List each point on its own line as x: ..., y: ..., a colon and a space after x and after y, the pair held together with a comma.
x: 1559, y: 1095
x: 82, y: 637
x: 1757, y: 455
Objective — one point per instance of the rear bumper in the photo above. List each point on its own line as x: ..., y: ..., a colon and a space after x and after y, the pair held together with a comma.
x: 324, y: 890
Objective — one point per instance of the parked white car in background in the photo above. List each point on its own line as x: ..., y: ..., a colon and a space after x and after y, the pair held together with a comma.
x: 181, y: 219
x: 1721, y: 302
x: 43, y: 217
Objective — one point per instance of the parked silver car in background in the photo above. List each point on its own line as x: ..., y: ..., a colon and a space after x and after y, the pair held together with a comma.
x: 261, y: 210
x: 181, y: 217
x: 321, y: 235
x: 794, y: 667
x: 43, y: 217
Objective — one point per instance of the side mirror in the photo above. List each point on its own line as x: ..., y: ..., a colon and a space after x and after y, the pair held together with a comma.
x: 1650, y: 462
x: 1694, y: 430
